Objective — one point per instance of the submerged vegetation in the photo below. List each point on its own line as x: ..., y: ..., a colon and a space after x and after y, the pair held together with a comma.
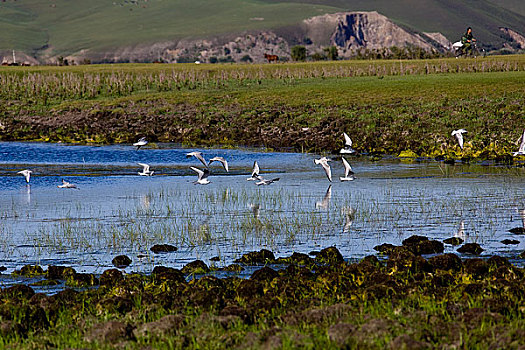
x: 387, y: 106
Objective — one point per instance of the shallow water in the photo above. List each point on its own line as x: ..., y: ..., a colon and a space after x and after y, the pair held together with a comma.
x: 115, y: 211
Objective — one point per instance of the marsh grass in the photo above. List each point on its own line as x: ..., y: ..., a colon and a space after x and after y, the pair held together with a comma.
x: 222, y: 219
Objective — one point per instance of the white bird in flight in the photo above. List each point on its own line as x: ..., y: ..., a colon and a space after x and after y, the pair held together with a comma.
x: 255, y: 173
x: 66, y: 184
x: 202, y: 176
x: 222, y: 160
x: 146, y: 171
x: 349, y: 174
x: 459, y: 136
x: 348, y: 145
x: 197, y: 155
x: 521, y: 150
x: 141, y: 142
x: 27, y: 174
x: 324, y: 162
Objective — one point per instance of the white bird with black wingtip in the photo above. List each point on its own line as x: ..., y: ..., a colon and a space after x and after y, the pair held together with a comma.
x: 141, y: 142
x: 459, y: 136
x: 348, y: 145
x: 255, y: 173
x: 199, y: 156
x: 202, y: 178
x: 223, y: 161
x: 146, y: 171
x: 27, y: 174
x: 324, y: 163
x: 349, y: 174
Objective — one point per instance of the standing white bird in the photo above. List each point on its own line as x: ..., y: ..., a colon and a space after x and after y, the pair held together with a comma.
x: 324, y: 162
x: 27, y: 174
x: 349, y: 174
x: 348, y: 145
x: 255, y: 173
x: 202, y: 176
x: 325, y: 202
x: 222, y: 160
x: 521, y: 150
x: 459, y: 136
x: 265, y: 182
x: 146, y: 171
x: 66, y: 184
x: 197, y: 155
x: 141, y: 142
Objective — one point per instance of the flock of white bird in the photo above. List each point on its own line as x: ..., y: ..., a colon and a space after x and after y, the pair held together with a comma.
x: 202, y: 174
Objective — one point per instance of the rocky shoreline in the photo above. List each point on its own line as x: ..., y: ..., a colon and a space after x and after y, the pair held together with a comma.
x: 300, y: 301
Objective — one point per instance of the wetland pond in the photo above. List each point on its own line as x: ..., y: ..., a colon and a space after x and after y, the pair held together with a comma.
x: 115, y: 211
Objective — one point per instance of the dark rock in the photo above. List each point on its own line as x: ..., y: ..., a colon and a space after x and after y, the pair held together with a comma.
x: 341, y: 333
x: 264, y: 274
x: 518, y: 230
x: 298, y: 259
x: 121, y: 261
x: 522, y: 255
x: 248, y: 289
x: 3, y: 268
x: 111, y: 277
x: 412, y: 240
x: 29, y: 271
x: 446, y: 262
x: 422, y: 245
x: 453, y: 241
x: 401, y: 258
x: 510, y: 241
x: 314, y: 253
x: 233, y: 268
x: 261, y: 257
x: 18, y: 291
x: 197, y: 267
x: 476, y: 267
x: 167, y: 325
x: 470, y: 248
x: 59, y: 272
x: 36, y: 318
x: 404, y: 342
x: 371, y: 260
x: 66, y: 297
x: 115, y: 304
x: 82, y: 280
x: 497, y: 261
x: 163, y: 248
x: 210, y: 282
x: 109, y: 332
x: 215, y: 258
x: 168, y: 273
x: 330, y: 255
x: 385, y: 248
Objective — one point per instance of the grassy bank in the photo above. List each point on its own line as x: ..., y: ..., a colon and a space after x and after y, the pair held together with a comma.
x: 324, y: 302
x: 387, y: 106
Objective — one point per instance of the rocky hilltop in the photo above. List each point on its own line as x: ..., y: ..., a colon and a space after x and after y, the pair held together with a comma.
x: 348, y: 31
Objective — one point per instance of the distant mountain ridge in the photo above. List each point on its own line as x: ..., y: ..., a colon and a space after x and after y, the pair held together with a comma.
x: 149, y: 30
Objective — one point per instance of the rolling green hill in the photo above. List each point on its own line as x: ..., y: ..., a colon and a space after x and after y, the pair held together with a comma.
x: 62, y: 27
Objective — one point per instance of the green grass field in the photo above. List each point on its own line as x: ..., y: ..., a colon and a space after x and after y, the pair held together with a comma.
x: 387, y: 106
